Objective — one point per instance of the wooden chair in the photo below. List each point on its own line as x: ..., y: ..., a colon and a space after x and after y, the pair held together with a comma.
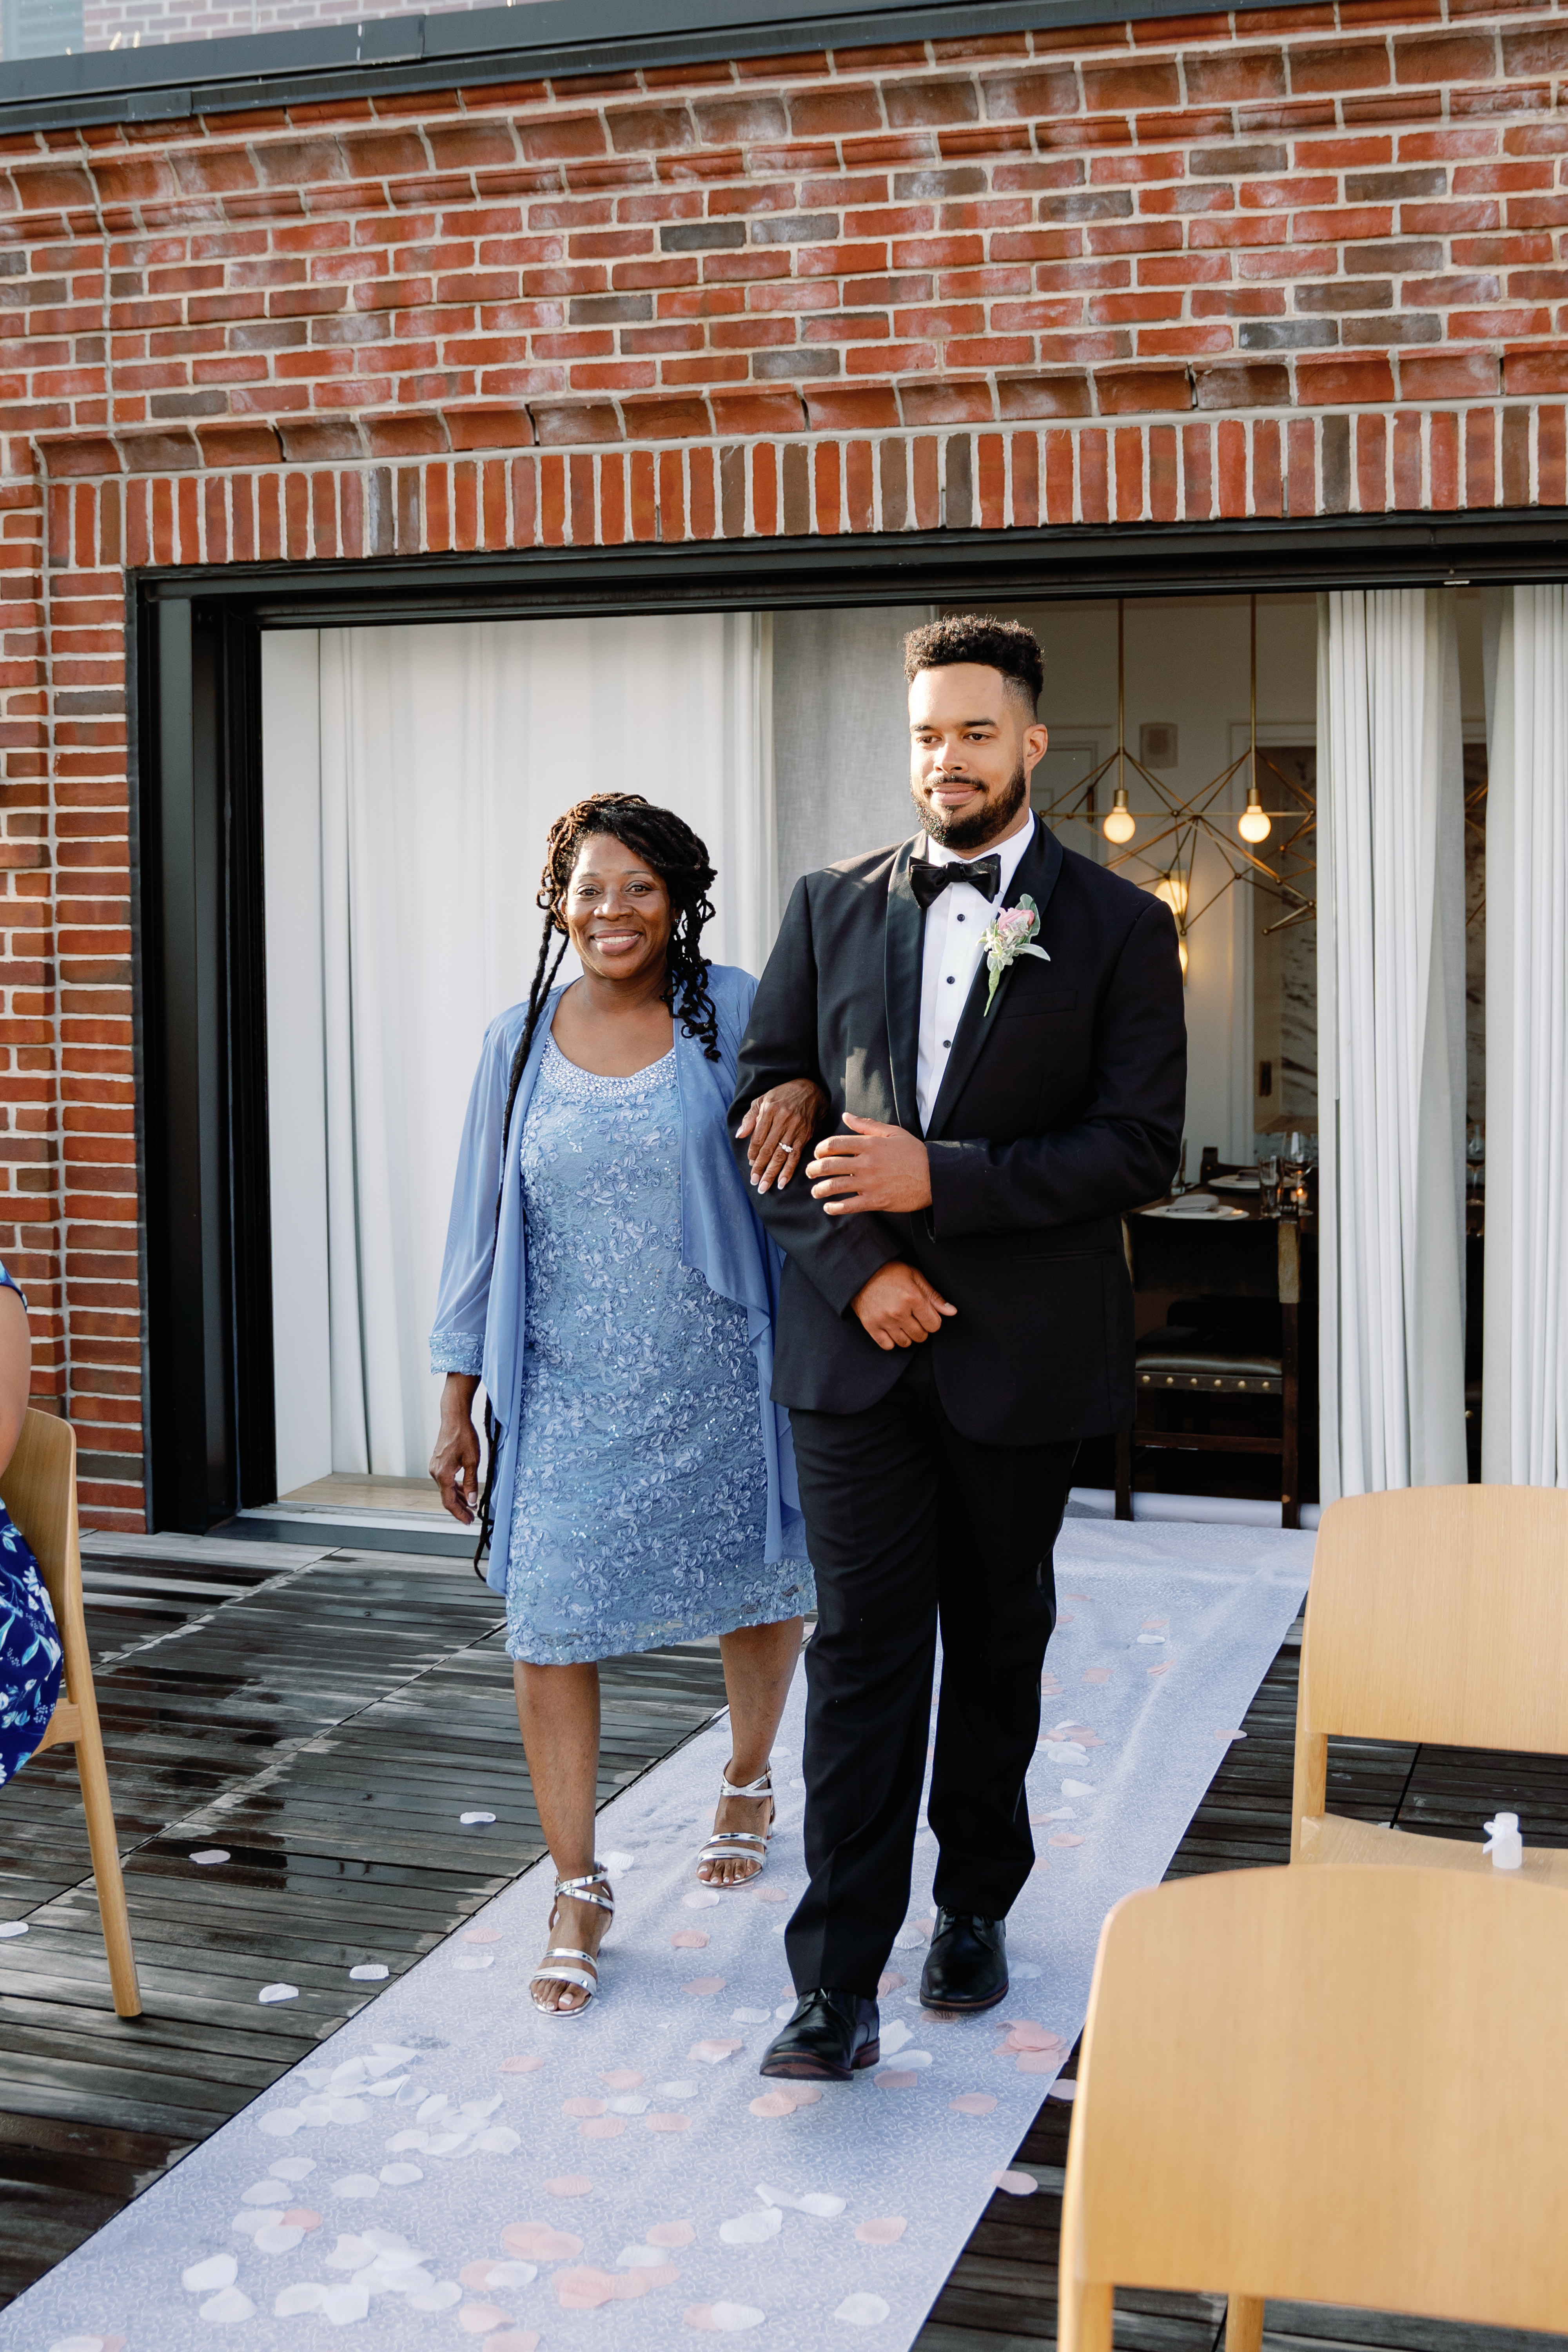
x: 1337, y: 2086
x: 1259, y: 1260
x: 39, y: 1490
x: 1436, y: 1613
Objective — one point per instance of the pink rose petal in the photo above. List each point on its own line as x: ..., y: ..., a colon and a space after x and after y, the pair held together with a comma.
x: 1065, y: 1837
x: 536, y: 2241
x: 1066, y: 1618
x: 300, y: 2217
x: 1155, y: 1624
x: 770, y: 1894
x: 1076, y: 1596
x: 478, y: 2319
x: 667, y: 2123
x: 476, y: 2274
x: 583, y: 2290
x: 1016, y: 2184
x: 670, y: 2233
x: 972, y: 2103
x: 570, y: 2184
x: 689, y: 1940
x: 701, y: 2317
x: 513, y: 2340
x: 521, y: 2065
x: 884, y: 2232
x: 1039, y: 2062
x: 714, y: 2053
x: 1097, y: 1673
x: 1230, y: 1735
x: 889, y: 1981
x: 1159, y: 1670
x: 629, y: 2284
x: 774, y: 2102
x: 892, y: 2079
x: 482, y: 1936
x: 622, y: 2078
x: 582, y: 2107
x: 1039, y: 1863
x: 701, y: 1987
x: 1026, y: 2035
x: 603, y: 2128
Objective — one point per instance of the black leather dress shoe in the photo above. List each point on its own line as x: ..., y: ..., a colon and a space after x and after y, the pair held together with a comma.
x: 966, y: 1967
x: 831, y: 2036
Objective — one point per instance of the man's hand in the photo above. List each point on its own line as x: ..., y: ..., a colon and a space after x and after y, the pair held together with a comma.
x: 898, y: 1307
x: 455, y: 1463
x: 873, y: 1167
x: 780, y: 1124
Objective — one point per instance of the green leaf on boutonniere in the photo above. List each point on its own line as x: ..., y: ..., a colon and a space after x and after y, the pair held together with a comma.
x: 1009, y: 936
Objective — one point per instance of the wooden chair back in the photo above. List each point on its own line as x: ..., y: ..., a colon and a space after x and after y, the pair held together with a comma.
x: 1437, y: 1613
x: 1339, y: 2086
x: 39, y: 1491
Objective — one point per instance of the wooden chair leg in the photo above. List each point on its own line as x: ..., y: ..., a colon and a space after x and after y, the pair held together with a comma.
x: 113, y: 1917
x: 1244, y: 2323
x: 1309, y: 1789
x: 1084, y: 2314
x: 1124, y: 1474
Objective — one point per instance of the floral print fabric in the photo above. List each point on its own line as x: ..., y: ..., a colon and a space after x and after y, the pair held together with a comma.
x: 640, y: 1514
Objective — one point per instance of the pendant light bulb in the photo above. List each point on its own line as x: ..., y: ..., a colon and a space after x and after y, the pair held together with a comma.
x: 1254, y: 824
x: 1181, y: 952
x: 1120, y: 824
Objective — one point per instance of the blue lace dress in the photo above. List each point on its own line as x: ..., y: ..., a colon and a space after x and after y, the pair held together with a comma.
x: 29, y: 1644
x: 640, y: 1514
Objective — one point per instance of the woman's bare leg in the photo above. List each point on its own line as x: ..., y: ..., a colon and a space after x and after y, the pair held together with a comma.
x: 558, y: 1710
x: 759, y: 1665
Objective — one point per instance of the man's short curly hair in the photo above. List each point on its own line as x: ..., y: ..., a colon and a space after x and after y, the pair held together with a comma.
x: 980, y: 638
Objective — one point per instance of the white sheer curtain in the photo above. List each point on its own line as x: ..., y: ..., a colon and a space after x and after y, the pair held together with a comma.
x: 1391, y: 1041
x: 410, y: 773
x: 1524, y: 1401
x: 840, y: 734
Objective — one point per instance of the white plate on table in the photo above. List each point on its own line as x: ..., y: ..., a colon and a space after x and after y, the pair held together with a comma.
x: 1206, y: 1212
x: 1232, y: 1184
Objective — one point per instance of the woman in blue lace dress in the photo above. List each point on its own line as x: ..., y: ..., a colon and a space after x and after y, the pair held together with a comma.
x: 618, y: 1305
x: 29, y: 1644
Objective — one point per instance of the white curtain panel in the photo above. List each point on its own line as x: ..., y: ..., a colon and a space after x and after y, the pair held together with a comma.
x: 410, y: 774
x: 1524, y: 1402
x: 1391, y: 1039
x: 840, y: 734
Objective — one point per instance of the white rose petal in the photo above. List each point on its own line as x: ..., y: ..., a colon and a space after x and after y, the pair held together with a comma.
x: 274, y: 1992
x: 437, y: 2298
x: 472, y: 1820
x: 370, y: 1972
x: 278, y: 2237
x: 309, y: 2295
x: 751, y: 2228
x: 862, y: 2310
x: 230, y: 2305
x: 218, y: 2270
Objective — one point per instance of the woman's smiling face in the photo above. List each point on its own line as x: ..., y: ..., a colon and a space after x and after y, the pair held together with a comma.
x: 618, y: 912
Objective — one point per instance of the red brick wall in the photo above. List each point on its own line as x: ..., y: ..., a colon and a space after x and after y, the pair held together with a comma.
x: 1284, y: 262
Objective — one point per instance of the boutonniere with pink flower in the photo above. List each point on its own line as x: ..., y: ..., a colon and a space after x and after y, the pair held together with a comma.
x: 1009, y: 937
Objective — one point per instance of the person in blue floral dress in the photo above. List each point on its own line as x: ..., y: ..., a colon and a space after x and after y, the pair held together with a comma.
x: 608, y: 1277
x: 29, y: 1643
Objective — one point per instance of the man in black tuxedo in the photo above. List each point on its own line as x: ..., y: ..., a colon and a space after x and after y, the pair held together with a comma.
x: 955, y: 1314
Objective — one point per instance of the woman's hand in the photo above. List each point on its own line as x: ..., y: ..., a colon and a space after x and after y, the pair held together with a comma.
x: 455, y: 1463
x: 780, y: 1126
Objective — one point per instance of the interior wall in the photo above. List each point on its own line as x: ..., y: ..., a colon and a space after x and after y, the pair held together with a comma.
x: 1186, y: 663
x: 840, y: 735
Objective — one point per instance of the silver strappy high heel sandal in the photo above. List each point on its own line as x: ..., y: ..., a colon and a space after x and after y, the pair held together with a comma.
x: 574, y: 1966
x: 741, y: 1845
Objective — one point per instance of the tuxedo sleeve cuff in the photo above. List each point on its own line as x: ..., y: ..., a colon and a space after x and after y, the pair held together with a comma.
x: 861, y: 1247
x: 962, y: 1190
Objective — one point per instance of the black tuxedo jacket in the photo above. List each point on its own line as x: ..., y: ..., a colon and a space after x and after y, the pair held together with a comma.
x: 1059, y: 1109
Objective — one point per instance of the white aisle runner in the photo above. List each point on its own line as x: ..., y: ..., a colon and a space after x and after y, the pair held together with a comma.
x: 455, y: 2168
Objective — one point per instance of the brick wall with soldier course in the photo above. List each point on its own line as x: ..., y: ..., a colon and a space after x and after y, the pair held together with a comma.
x: 1285, y: 262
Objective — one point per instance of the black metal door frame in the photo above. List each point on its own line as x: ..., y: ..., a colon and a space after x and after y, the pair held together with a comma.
x: 198, y: 911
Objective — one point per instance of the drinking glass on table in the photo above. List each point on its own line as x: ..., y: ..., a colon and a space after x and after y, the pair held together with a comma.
x: 1294, y: 1174
x: 1268, y: 1182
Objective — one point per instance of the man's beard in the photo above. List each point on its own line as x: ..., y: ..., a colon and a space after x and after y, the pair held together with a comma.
x: 974, y: 832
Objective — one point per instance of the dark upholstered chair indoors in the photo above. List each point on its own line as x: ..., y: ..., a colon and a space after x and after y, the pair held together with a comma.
x: 1222, y: 1374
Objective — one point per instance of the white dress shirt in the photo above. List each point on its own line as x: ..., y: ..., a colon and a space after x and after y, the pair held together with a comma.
x: 954, y: 923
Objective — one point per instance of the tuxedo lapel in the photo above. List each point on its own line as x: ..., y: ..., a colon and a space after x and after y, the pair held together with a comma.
x: 901, y: 988
x: 1035, y: 879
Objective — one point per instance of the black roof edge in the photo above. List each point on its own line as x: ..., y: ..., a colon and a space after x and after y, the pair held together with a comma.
x: 539, y: 39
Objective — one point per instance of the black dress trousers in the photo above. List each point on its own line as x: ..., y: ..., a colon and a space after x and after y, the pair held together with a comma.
x: 912, y: 1525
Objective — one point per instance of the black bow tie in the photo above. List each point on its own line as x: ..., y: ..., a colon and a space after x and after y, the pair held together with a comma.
x: 929, y: 880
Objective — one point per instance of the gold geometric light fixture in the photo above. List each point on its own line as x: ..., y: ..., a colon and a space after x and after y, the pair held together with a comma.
x: 1165, y: 855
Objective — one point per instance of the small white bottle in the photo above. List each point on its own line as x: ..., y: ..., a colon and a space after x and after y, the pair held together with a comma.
x: 1504, y: 1842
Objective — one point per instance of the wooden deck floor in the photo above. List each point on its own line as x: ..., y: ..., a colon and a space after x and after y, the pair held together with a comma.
x: 325, y: 1719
